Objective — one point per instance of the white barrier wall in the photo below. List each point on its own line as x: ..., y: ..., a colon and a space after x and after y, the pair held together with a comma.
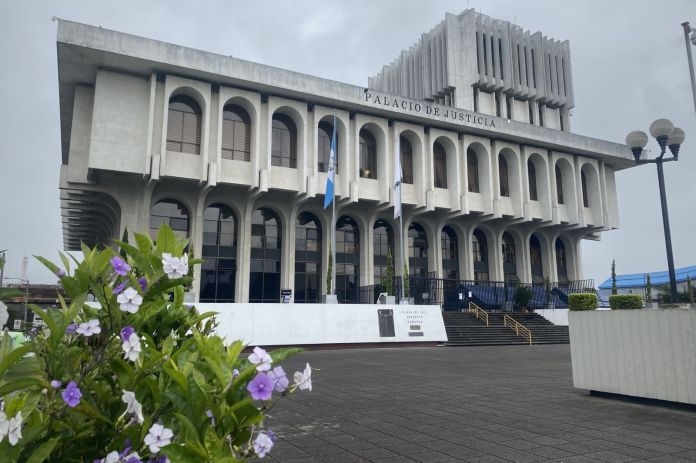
x: 555, y: 316
x: 304, y: 324
x: 641, y: 353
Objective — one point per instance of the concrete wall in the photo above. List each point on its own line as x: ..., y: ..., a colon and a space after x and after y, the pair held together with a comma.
x: 305, y: 324
x: 641, y: 353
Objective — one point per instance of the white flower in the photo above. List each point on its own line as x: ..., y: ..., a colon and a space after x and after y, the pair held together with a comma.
x: 262, y: 444
x: 130, y: 300
x: 112, y: 457
x: 14, y: 432
x: 89, y: 328
x: 133, y: 406
x: 303, y: 380
x: 4, y: 425
x: 157, y: 437
x: 131, y: 347
x: 175, y: 267
x: 261, y: 358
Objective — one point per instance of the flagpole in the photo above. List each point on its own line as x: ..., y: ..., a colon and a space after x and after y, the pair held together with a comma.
x: 398, y: 177
x: 333, y: 216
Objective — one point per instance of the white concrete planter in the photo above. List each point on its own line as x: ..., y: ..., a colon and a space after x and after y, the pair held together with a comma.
x: 640, y: 353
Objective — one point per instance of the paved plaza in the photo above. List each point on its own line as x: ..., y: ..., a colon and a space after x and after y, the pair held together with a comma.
x: 475, y: 404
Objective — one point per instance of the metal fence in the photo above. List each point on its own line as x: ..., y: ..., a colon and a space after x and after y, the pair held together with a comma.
x: 490, y: 295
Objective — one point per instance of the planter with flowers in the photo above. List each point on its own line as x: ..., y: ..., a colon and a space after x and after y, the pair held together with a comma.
x: 137, y: 376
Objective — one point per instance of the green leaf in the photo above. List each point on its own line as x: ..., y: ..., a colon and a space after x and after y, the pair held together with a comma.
x: 13, y: 357
x: 66, y: 262
x: 48, y: 264
x: 47, y: 318
x: 17, y: 384
x: 42, y: 453
x: 280, y: 355
x: 190, y: 430
x: 178, y: 453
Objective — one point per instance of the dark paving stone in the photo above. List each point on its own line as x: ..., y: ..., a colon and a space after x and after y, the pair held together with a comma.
x: 479, y: 404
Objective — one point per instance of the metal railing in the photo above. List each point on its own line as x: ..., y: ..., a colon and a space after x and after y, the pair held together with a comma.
x: 478, y: 312
x: 520, y: 329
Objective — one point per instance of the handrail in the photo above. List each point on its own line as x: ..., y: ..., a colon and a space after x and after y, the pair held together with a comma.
x: 518, y: 327
x: 478, y: 312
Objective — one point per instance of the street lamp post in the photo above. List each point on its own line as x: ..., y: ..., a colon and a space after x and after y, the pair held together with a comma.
x: 671, y: 137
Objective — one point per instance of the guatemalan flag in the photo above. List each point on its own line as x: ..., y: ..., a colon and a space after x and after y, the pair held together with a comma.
x: 330, y: 178
x: 397, y: 178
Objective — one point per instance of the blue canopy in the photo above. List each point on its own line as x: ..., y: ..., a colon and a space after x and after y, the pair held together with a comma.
x: 637, y: 280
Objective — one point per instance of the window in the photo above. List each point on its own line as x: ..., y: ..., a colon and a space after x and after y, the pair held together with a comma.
x: 500, y: 58
x: 480, y: 256
x: 485, y: 55
x: 561, y: 261
x: 472, y: 170
x: 541, y: 114
x: 325, y: 134
x: 382, y: 245
x: 583, y: 181
x: 559, y: 185
x: 368, y: 155
x: 503, y: 175
x: 534, y: 69
x: 535, y: 260
x: 236, y: 134
x: 440, y: 161
x: 219, y: 268
x: 347, y: 260
x: 509, y: 258
x: 307, y: 258
x: 406, y: 161
x: 530, y: 106
x: 184, y: 125
x: 497, y: 96
x: 417, y: 251
x: 531, y: 177
x: 264, y: 264
x: 450, y: 254
x: 172, y: 213
x: 284, y: 143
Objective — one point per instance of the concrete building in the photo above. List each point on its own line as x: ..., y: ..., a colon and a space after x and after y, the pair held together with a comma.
x: 636, y: 283
x: 233, y: 154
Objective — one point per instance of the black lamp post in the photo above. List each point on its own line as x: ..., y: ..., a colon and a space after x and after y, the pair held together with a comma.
x: 671, y: 137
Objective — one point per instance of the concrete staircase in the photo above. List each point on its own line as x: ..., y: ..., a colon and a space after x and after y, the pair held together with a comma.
x: 464, y: 329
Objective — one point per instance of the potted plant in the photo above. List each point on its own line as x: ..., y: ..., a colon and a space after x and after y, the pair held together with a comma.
x: 523, y: 294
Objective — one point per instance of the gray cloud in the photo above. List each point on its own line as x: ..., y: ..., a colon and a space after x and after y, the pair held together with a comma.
x: 629, y: 68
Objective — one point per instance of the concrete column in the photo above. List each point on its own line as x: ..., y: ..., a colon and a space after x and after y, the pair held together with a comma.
x: 244, y: 245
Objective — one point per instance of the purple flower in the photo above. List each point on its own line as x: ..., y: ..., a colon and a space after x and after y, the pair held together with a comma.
x: 70, y: 329
x: 143, y: 283
x: 126, y: 332
x: 280, y: 379
x: 119, y: 288
x: 261, y: 387
x: 120, y: 267
x: 262, y: 444
x: 55, y: 384
x: 71, y: 394
x: 235, y: 373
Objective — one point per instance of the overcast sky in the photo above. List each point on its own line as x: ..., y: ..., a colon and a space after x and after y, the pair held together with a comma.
x: 629, y: 68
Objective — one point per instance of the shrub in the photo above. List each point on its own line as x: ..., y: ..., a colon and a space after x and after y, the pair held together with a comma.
x: 582, y: 301
x: 523, y: 294
x: 138, y: 376
x: 625, y: 301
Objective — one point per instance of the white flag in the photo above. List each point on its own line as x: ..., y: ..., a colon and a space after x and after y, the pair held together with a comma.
x: 397, y: 177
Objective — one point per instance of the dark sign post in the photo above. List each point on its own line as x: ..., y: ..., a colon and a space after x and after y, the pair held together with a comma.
x: 285, y: 295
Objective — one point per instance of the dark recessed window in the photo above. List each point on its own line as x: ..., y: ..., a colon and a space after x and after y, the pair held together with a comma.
x: 236, y: 133
x: 440, y: 164
x: 172, y: 213
x: 450, y: 254
x: 480, y: 256
x: 284, y: 142
x: 472, y: 171
x: 264, y: 264
x: 417, y: 251
x: 559, y: 185
x: 307, y: 258
x: 347, y: 260
x: 368, y: 154
x: 406, y: 160
x: 382, y: 244
x: 219, y: 268
x: 535, y: 260
x: 583, y: 181
x: 325, y: 133
x: 531, y: 177
x: 503, y: 175
x: 184, y: 121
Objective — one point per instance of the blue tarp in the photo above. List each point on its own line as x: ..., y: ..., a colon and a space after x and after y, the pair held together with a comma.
x: 637, y: 280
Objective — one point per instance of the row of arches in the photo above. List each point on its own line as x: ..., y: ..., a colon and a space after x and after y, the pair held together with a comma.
x: 220, y: 238
x: 184, y: 135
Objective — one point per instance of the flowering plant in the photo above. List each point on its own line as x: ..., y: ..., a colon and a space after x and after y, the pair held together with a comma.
x: 136, y: 375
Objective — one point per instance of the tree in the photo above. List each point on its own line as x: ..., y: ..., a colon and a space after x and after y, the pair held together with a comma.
x: 389, y: 283
x: 405, y: 281
x: 329, y: 272
x: 648, y: 288
x: 689, y: 289
x: 613, y: 277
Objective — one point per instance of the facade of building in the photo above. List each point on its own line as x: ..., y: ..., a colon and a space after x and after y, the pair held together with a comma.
x: 233, y: 154
x: 636, y: 283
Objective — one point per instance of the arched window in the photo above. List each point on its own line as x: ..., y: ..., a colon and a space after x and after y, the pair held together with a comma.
x: 531, y: 177
x: 472, y: 171
x: 264, y: 265
x: 561, y: 261
x: 583, y: 181
x: 347, y: 260
x: 307, y: 258
x: 509, y: 258
x: 503, y: 175
x: 417, y: 251
x: 325, y: 133
x: 284, y: 149
x: 184, y: 125
x: 368, y: 154
x: 236, y: 133
x: 382, y: 245
x: 535, y: 260
x: 219, y: 268
x: 406, y: 160
x: 450, y: 254
x: 440, y: 164
x: 559, y: 185
x: 480, y: 255
x: 171, y: 212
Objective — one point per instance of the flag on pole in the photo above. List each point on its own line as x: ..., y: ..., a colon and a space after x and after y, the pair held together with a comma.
x: 397, y: 178
x: 329, y: 195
